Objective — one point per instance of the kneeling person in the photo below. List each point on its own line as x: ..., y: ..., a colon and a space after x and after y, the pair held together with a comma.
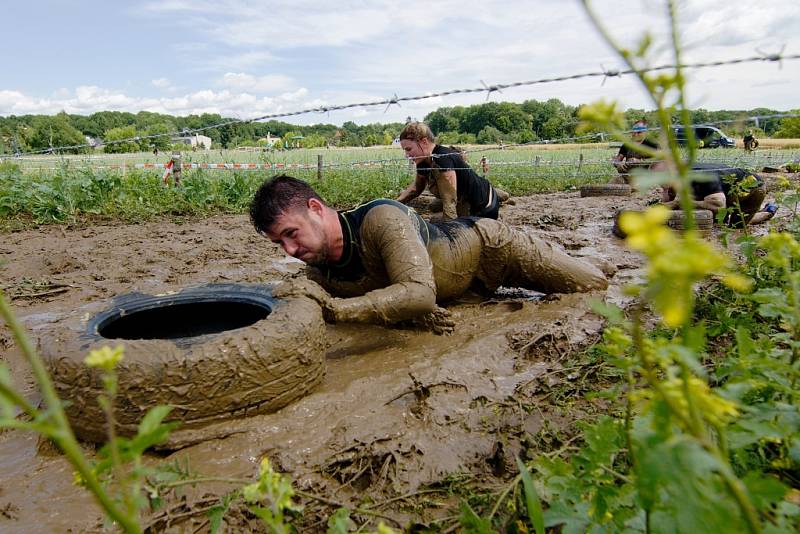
x: 741, y: 192
x: 390, y: 265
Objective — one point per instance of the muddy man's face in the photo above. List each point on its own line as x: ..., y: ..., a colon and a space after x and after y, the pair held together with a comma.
x: 302, y: 235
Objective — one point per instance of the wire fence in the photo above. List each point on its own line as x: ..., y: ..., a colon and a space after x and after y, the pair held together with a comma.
x: 488, y: 89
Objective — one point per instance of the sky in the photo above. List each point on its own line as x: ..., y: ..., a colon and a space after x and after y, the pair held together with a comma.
x: 246, y: 59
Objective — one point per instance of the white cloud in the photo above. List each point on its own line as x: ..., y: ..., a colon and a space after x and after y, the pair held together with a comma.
x: 161, y: 83
x: 249, y: 58
x: 257, y: 84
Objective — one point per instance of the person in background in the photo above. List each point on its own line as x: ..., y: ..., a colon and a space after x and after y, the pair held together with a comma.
x: 629, y: 158
x: 749, y: 141
x: 443, y: 171
x: 720, y: 186
x: 484, y: 165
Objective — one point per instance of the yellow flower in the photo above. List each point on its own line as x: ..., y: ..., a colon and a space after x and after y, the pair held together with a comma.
x: 738, y: 282
x: 781, y: 248
x: 676, y: 263
x: 711, y: 407
x: 105, y: 358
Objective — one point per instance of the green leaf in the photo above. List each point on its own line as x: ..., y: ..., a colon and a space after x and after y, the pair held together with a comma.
x: 153, y: 418
x: 764, y: 490
x: 573, y: 518
x: 612, y: 312
x: 472, y: 523
x: 339, y: 522
x: 532, y: 502
x: 151, y: 429
x: 745, y: 345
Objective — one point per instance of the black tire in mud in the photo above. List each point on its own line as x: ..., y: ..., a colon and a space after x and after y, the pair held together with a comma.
x: 256, y: 354
x: 606, y: 190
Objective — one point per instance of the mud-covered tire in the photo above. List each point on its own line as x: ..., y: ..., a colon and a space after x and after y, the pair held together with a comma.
x: 704, y: 222
x: 205, y: 378
x: 703, y: 219
x: 616, y: 230
x: 606, y: 190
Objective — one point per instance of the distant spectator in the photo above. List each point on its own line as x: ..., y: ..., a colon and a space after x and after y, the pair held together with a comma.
x: 629, y: 158
x: 750, y: 141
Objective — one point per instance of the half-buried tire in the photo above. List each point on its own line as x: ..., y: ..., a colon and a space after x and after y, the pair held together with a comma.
x: 606, y: 190
x: 703, y: 219
x: 211, y: 352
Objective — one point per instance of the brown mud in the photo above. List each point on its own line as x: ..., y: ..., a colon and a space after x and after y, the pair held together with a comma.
x: 399, y: 409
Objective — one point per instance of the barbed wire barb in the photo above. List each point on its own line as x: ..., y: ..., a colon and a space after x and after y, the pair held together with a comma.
x: 774, y: 57
x: 390, y: 102
x: 609, y: 73
x: 490, y: 89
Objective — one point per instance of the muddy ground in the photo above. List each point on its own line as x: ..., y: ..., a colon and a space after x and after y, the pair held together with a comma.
x: 399, y: 410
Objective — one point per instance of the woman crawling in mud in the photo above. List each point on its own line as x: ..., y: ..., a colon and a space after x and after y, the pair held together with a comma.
x: 459, y: 189
x: 385, y: 264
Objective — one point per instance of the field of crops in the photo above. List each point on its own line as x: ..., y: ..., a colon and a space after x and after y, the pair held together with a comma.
x: 50, y: 189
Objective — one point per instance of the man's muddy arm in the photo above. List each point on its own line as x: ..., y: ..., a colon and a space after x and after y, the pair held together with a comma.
x: 340, y: 288
x: 389, y: 236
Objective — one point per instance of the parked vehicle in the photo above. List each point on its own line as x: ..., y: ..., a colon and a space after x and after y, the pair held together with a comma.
x: 705, y: 136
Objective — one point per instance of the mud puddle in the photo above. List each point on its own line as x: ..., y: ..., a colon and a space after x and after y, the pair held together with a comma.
x: 398, y: 409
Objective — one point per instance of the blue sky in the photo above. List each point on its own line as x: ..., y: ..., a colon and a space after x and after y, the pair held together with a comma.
x: 245, y: 58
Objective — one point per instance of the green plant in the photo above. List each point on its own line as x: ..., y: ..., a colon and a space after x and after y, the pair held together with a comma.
x: 706, y: 439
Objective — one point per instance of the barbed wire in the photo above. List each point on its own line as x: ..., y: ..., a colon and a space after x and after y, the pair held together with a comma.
x: 749, y: 161
x: 604, y: 73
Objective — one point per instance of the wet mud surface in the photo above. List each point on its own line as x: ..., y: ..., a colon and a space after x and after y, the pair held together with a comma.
x: 398, y: 410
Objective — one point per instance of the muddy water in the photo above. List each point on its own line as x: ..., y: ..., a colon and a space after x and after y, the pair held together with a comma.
x: 397, y: 408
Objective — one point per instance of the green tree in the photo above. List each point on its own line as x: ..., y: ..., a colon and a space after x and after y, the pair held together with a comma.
x: 489, y: 136
x: 55, y: 132
x: 114, y: 136
x: 443, y: 120
x: 163, y: 142
x: 314, y: 140
x: 790, y: 127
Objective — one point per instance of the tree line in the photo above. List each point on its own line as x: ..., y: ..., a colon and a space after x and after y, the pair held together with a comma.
x: 487, y: 123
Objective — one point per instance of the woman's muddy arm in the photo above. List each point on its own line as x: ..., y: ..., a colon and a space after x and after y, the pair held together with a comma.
x: 414, y: 190
x: 446, y: 184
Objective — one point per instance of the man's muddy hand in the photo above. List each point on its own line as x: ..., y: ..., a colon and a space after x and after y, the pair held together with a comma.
x: 438, y: 321
x: 303, y: 287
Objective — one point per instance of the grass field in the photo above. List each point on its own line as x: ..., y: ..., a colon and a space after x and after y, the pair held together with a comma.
x: 50, y: 189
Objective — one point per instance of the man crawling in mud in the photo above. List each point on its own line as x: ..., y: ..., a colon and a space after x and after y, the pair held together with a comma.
x: 385, y: 264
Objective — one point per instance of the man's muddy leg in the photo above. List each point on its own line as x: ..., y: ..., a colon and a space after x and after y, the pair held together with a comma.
x: 515, y: 259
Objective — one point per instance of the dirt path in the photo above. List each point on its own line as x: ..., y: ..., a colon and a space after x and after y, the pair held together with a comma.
x: 398, y: 408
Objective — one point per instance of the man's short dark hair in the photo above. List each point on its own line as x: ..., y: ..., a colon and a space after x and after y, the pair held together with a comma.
x: 277, y: 195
